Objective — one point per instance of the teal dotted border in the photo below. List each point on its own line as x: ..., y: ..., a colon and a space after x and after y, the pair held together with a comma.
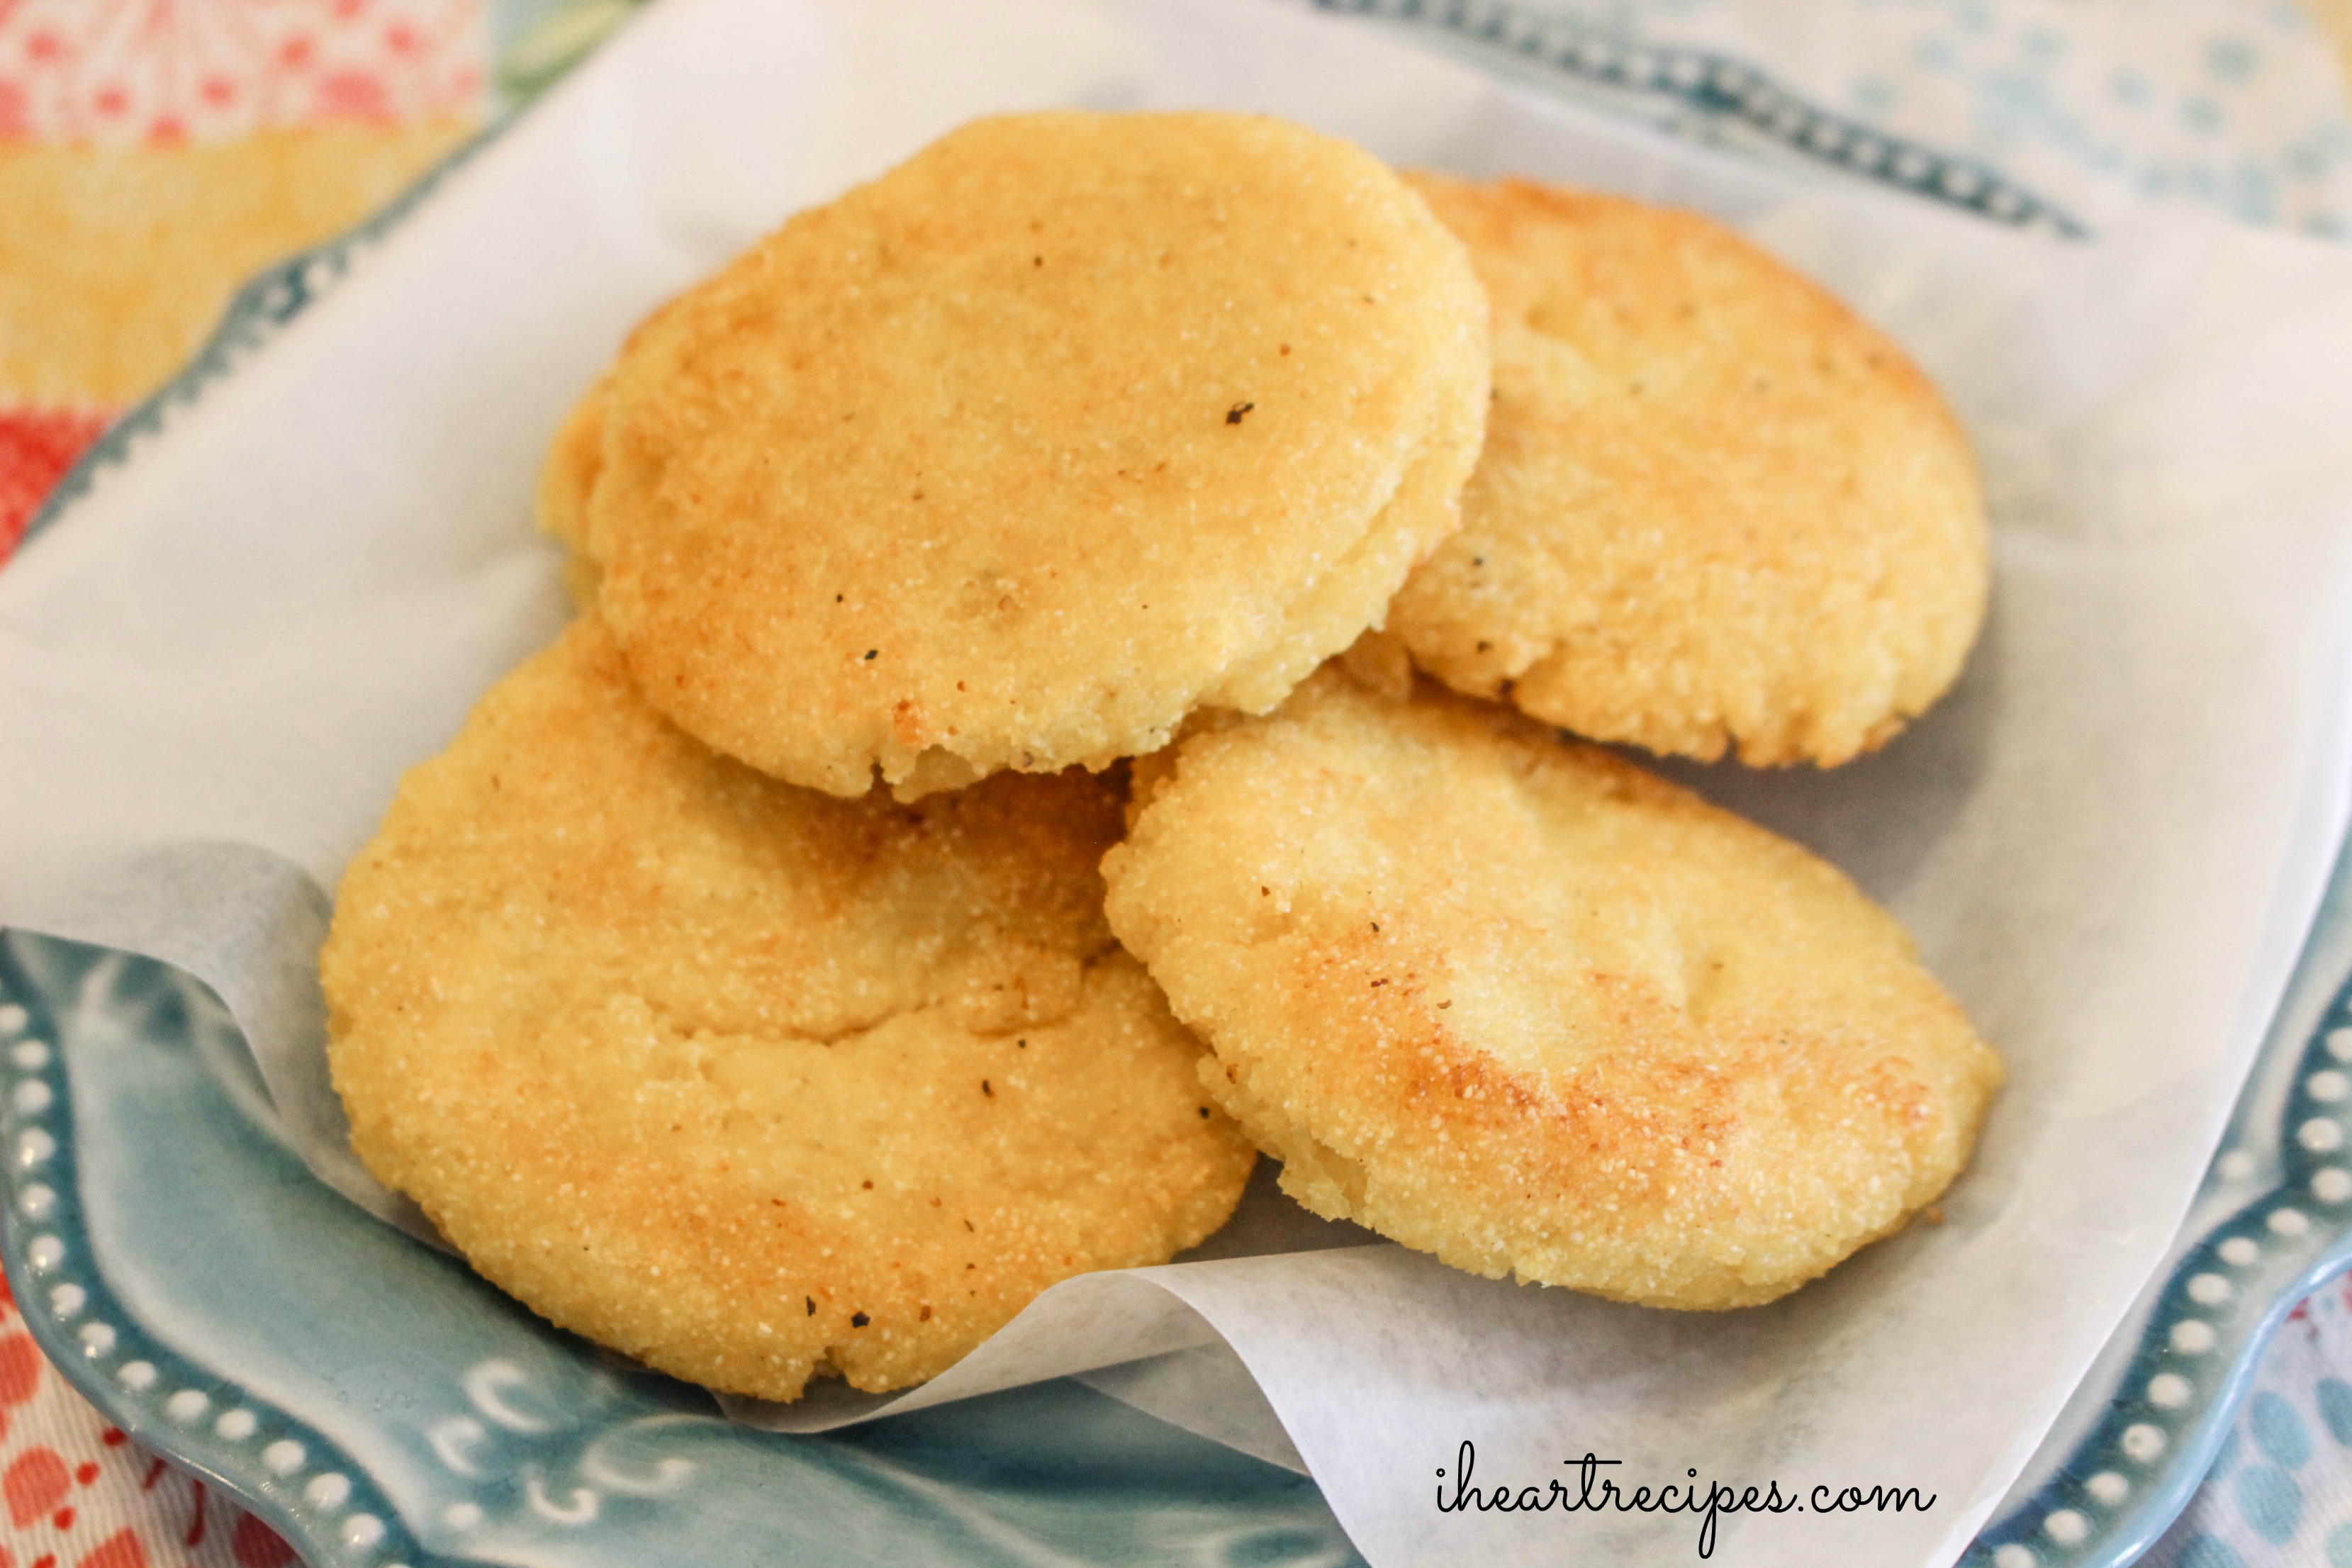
x: 1727, y: 92
x: 297, y: 1480
x: 2141, y: 1463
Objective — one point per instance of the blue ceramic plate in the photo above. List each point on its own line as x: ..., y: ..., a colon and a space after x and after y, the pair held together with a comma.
x: 379, y: 1404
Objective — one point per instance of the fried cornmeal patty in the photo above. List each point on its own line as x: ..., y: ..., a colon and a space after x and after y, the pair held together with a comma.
x: 1716, y: 509
x: 744, y: 1080
x: 1069, y: 426
x: 1517, y: 1003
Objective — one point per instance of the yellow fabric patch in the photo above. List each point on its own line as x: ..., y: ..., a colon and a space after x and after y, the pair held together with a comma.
x: 115, y: 262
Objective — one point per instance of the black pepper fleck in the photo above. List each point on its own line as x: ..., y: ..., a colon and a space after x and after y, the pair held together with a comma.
x: 872, y: 652
x: 1238, y: 412
x: 812, y: 1305
x: 985, y: 1089
x: 858, y: 1319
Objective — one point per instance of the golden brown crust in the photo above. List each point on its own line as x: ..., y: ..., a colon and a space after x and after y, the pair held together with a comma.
x: 1716, y: 507
x: 745, y: 1080
x: 1521, y: 1005
x: 1010, y: 459
x: 567, y: 476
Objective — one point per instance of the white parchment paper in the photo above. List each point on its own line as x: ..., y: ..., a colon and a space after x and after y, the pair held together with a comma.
x: 2108, y: 839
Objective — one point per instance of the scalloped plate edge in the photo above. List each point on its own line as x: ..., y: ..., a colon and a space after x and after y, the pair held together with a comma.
x: 297, y: 1480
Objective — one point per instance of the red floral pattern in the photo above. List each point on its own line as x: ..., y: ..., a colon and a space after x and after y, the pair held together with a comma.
x: 121, y: 70
x: 79, y: 1494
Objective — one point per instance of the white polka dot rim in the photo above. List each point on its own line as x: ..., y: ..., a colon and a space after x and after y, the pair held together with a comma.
x: 2209, y: 1289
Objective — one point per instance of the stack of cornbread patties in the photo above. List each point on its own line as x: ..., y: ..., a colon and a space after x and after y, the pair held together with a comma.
x: 743, y: 988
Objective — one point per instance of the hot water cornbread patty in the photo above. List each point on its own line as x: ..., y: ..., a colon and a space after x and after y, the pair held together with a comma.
x: 1069, y: 426
x: 1715, y: 509
x: 1515, y: 1002
x: 743, y: 1080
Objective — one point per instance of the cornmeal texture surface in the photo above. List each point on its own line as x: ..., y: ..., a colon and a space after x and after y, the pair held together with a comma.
x: 1515, y: 1002
x: 1717, y: 511
x: 745, y: 1080
x: 1010, y: 459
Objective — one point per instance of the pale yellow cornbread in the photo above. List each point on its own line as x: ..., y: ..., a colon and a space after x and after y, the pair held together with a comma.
x: 745, y: 1080
x: 1716, y: 510
x: 1066, y: 428
x: 1515, y: 1002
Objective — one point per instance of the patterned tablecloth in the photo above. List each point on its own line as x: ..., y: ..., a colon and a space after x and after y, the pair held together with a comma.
x: 154, y: 152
